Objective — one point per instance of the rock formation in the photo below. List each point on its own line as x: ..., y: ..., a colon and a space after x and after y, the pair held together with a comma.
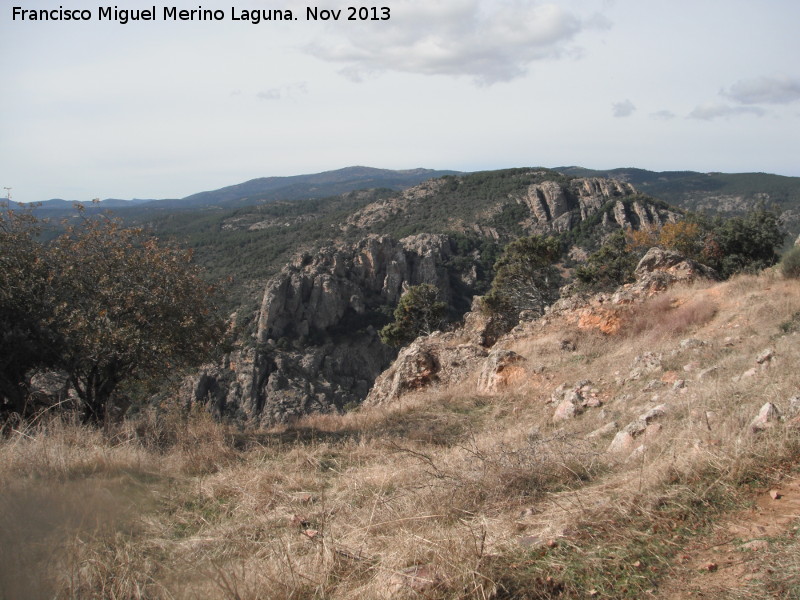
x: 556, y: 208
x: 316, y: 347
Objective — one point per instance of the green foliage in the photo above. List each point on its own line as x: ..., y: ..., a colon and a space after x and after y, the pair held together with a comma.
x: 525, y: 277
x: 745, y: 244
x: 26, y: 342
x: 419, y: 312
x: 790, y: 265
x: 741, y: 244
x: 107, y: 305
x: 127, y: 308
x: 610, y: 267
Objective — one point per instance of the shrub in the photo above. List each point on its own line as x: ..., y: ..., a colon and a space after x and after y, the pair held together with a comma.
x: 419, y: 312
x: 611, y: 266
x: 790, y: 265
x: 525, y: 278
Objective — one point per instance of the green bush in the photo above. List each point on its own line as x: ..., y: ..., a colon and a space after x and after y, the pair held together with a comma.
x: 525, y: 277
x: 419, y: 312
x: 790, y: 265
x: 610, y: 267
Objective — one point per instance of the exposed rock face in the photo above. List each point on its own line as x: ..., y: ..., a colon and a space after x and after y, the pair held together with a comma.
x: 430, y: 360
x: 501, y: 369
x: 661, y: 268
x: 556, y: 208
x: 315, y: 350
x: 316, y: 293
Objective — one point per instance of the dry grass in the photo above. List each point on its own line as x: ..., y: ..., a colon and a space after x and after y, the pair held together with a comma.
x: 445, y: 495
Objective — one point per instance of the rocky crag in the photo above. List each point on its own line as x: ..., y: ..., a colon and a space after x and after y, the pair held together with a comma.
x: 316, y: 347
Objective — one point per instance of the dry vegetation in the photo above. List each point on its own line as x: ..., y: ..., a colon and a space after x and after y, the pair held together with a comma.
x: 448, y: 494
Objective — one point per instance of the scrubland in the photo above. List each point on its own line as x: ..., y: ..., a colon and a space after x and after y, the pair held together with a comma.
x: 449, y: 493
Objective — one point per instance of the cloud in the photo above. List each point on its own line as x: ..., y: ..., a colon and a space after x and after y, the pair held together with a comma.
x: 711, y: 111
x: 271, y: 94
x: 778, y: 89
x: 489, y: 42
x: 287, y: 91
x: 663, y: 115
x: 623, y: 109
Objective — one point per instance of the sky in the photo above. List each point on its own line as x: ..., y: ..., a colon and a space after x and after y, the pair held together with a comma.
x: 166, y: 108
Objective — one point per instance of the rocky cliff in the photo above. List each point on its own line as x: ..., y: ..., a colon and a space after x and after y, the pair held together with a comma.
x: 316, y: 348
x: 557, y: 208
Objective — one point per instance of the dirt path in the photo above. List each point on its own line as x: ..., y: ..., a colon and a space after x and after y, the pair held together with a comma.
x: 747, y: 555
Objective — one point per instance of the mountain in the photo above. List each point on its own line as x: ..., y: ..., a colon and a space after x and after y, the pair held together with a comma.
x: 298, y: 187
x: 60, y: 204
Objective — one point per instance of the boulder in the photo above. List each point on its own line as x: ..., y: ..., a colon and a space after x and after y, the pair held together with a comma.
x: 659, y: 269
x: 436, y: 359
x: 501, y: 369
x: 766, y: 418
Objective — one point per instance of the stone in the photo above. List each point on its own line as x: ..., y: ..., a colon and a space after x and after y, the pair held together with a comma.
x: 566, y: 410
x: 622, y: 442
x: 501, y: 369
x: 428, y: 361
x: 659, y: 269
x: 644, y: 364
x: 603, y: 431
x: 765, y: 356
x: 298, y: 361
x: 653, y: 413
x: 755, y: 546
x: 706, y: 373
x: 766, y: 418
x: 691, y: 343
x: 794, y: 406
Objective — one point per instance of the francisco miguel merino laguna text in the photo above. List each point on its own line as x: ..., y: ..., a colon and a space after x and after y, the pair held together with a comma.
x: 172, y: 13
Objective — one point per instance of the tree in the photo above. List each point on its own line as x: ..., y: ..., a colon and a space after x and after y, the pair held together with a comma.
x: 611, y: 266
x: 749, y: 243
x: 419, y: 312
x: 731, y: 245
x: 525, y: 277
x: 26, y: 342
x: 127, y: 309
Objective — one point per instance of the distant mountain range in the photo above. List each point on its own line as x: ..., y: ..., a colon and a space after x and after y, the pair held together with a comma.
x: 713, y: 192
x: 272, y: 189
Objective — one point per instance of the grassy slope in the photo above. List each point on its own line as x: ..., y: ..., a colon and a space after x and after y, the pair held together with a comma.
x: 447, y: 494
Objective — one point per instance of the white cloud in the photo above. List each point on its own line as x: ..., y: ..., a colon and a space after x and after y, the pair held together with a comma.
x: 271, y: 94
x: 778, y: 89
x: 623, y: 109
x: 711, y: 111
x: 663, y: 115
x: 287, y: 91
x: 490, y: 42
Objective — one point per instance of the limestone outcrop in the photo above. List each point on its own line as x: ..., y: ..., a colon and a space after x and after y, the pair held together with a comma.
x: 659, y: 269
x: 556, y: 208
x: 435, y: 360
x: 316, y: 348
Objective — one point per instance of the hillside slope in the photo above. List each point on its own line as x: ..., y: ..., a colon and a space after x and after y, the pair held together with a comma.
x: 313, y: 343
x: 571, y: 463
